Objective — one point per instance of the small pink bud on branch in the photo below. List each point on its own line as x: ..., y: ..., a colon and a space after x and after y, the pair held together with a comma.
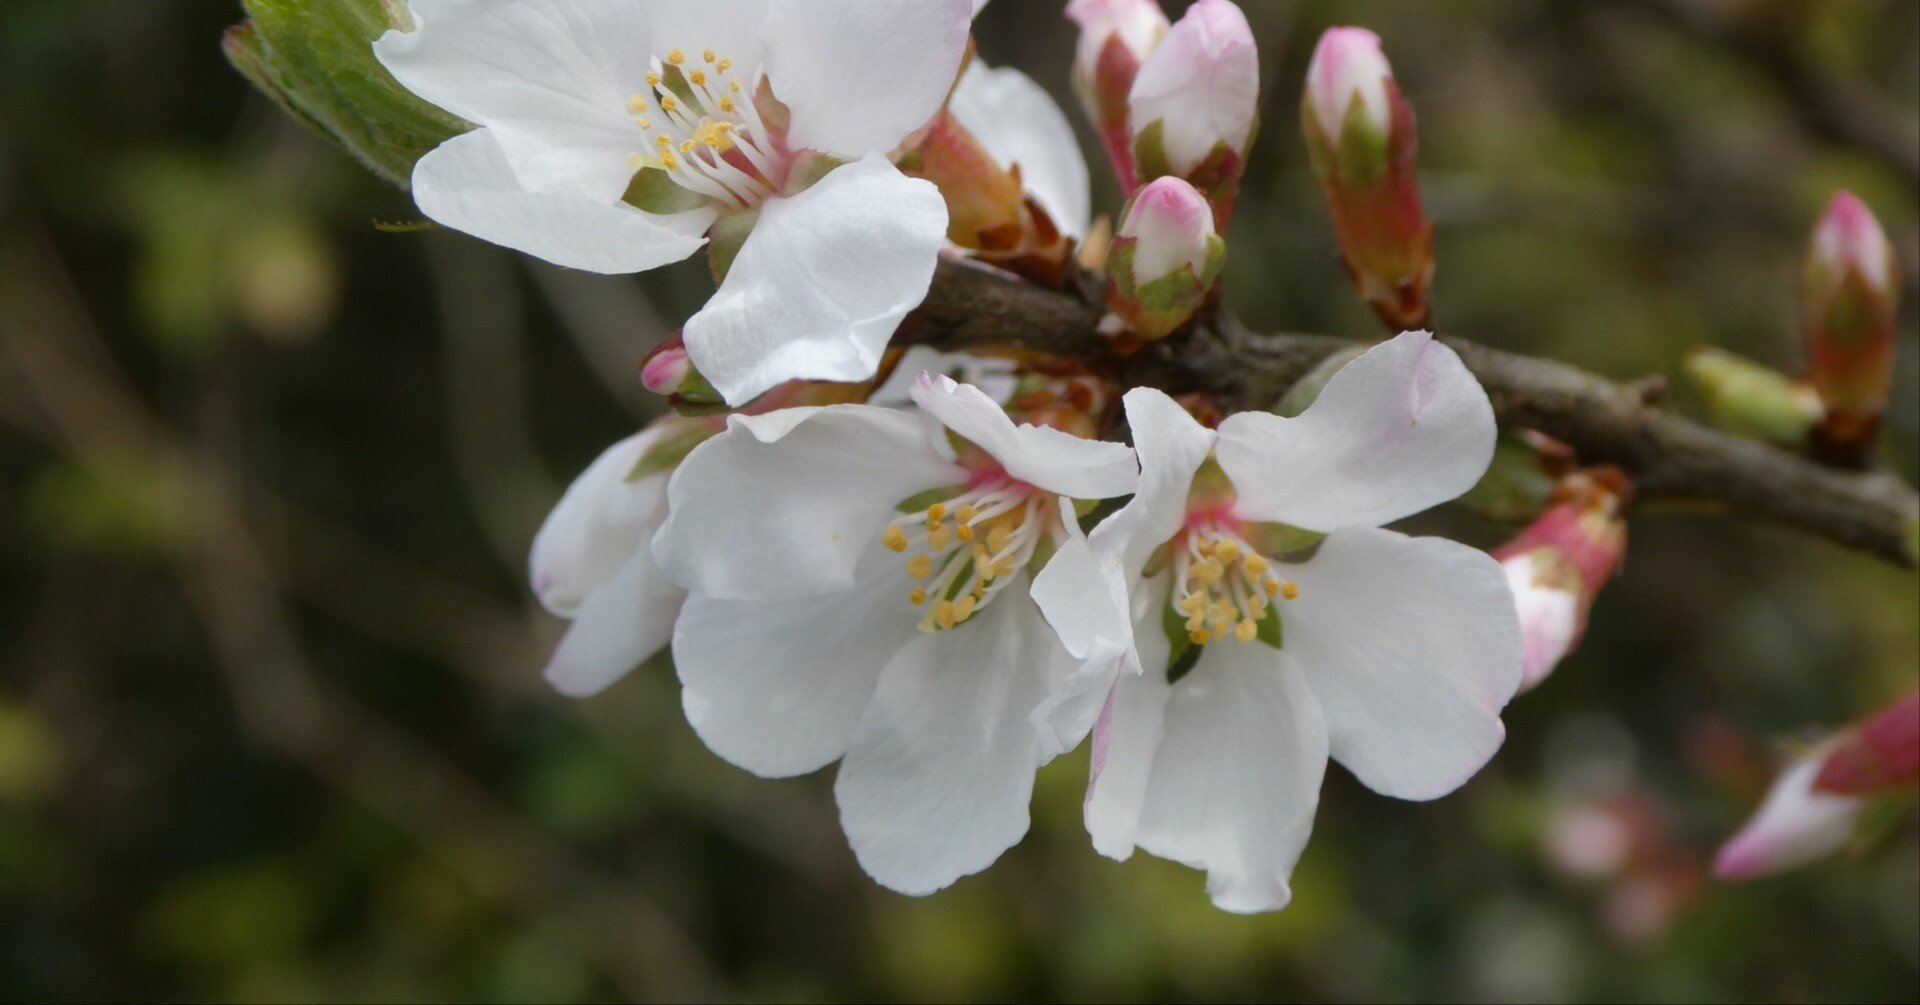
x: 1195, y: 104
x: 1363, y: 143
x: 1116, y: 37
x: 1849, y: 301
x: 1165, y: 260
x: 1558, y: 565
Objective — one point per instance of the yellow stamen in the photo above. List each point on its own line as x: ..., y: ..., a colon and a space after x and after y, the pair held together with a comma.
x: 699, y: 78
x: 676, y: 57
x: 1256, y: 565
x: 939, y: 536
x: 943, y: 614
x: 895, y: 538
x: 1199, y: 636
x: 997, y: 538
x: 918, y: 596
x: 638, y: 105
x: 1226, y: 552
x: 1272, y: 586
x: 1246, y: 631
x: 707, y: 54
x: 964, y: 532
x: 725, y: 65
x: 653, y: 79
x: 669, y: 103
x: 727, y: 105
x: 937, y: 512
x: 670, y: 160
x: 965, y: 514
x: 920, y: 566
x: 1290, y: 590
x: 965, y: 608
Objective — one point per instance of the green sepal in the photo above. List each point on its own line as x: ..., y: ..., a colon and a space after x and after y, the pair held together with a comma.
x: 1753, y: 400
x: 668, y: 453
x: 1179, y: 642
x: 1150, y: 152
x: 809, y: 169
x: 1281, y: 540
x: 1307, y: 389
x: 1269, y: 628
x: 728, y: 236
x: 1365, y: 155
x: 316, y: 61
x: 654, y: 191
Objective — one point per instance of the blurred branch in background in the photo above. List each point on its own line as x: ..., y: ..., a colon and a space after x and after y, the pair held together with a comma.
x: 64, y: 370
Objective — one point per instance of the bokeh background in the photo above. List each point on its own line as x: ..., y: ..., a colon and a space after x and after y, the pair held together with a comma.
x: 271, y: 723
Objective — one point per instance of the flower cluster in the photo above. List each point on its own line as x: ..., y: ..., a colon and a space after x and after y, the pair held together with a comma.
x: 944, y: 572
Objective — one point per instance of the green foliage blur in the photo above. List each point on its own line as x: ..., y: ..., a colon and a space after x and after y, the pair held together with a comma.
x: 271, y: 722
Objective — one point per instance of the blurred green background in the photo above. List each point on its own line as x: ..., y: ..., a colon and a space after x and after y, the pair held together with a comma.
x: 271, y: 726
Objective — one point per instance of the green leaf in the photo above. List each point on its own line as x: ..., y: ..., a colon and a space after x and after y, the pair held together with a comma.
x: 315, y: 59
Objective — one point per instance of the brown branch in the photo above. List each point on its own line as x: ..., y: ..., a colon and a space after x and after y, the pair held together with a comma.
x: 1669, y: 457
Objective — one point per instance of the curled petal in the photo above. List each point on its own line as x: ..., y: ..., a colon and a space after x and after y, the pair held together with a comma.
x: 1051, y: 459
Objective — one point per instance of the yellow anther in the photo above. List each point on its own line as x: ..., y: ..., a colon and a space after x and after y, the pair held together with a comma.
x: 939, y: 535
x: 964, y: 532
x: 1190, y: 603
x: 894, y: 538
x: 1003, y: 568
x: 1258, y: 602
x: 998, y: 537
x: 699, y: 78
x: 965, y: 514
x: 725, y: 65
x: 918, y: 596
x: 676, y: 57
x: 1208, y: 572
x: 920, y: 566
x: 734, y: 86
x: 1226, y: 551
x: 643, y: 123
x: 663, y: 142
x: 687, y: 146
x: 669, y: 103
x: 937, y: 512
x: 1256, y: 565
x: 1290, y: 590
x: 1272, y: 586
x: 943, y: 614
x: 1246, y: 631
x: 637, y: 104
x: 965, y: 608
x: 707, y: 54
x: 1220, y: 613
x: 670, y: 160
x: 727, y: 105
x: 653, y: 79
x: 1196, y: 621
x: 1199, y: 637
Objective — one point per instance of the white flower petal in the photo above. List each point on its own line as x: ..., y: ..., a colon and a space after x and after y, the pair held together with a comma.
x: 1202, y: 83
x: 822, y: 282
x: 1549, y: 620
x: 775, y: 508
x: 937, y: 780
x: 550, y: 78
x: 1401, y: 429
x: 1412, y: 647
x: 467, y: 185
x: 1021, y: 126
x: 1084, y: 597
x: 622, y: 625
x: 1795, y: 826
x: 733, y: 29
x: 776, y: 687
x: 1236, y: 777
x: 1127, y: 737
x: 605, y: 516
x: 994, y: 377
x: 1171, y: 447
x: 860, y: 75
x: 1051, y: 459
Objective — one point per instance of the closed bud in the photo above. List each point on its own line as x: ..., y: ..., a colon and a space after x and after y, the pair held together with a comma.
x: 1195, y: 104
x: 1116, y: 37
x: 669, y: 372
x: 1753, y: 400
x: 1795, y: 825
x: 1879, y: 755
x: 1363, y: 143
x: 1849, y: 302
x: 1166, y: 258
x: 1558, y: 565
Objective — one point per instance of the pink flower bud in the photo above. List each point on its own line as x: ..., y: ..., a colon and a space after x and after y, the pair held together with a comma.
x: 1558, y: 565
x: 1116, y: 36
x: 1348, y: 67
x: 1195, y: 103
x: 667, y: 368
x: 1850, y: 299
x: 1794, y: 826
x: 1166, y: 258
x: 1880, y: 754
x: 1363, y: 143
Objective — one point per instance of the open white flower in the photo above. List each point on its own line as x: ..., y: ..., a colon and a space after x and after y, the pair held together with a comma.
x: 1392, y: 654
x: 591, y: 563
x: 859, y: 583
x: 1019, y: 123
x: 616, y: 135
